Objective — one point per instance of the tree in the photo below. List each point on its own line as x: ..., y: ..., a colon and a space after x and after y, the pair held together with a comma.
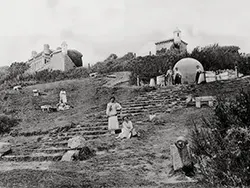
x: 17, y: 69
x: 215, y: 57
x: 76, y: 57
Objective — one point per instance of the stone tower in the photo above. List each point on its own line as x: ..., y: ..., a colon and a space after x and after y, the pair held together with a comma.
x: 177, y: 36
x: 64, y: 46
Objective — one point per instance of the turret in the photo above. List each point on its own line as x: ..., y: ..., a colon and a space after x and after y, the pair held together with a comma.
x: 64, y: 47
x: 33, y: 54
x: 177, y: 36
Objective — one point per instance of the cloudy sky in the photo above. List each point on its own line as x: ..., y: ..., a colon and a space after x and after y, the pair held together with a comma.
x: 98, y: 28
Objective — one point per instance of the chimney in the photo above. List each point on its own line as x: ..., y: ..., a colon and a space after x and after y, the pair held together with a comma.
x: 88, y: 66
x: 64, y: 48
x: 150, y: 53
x: 46, y: 49
x: 33, y: 54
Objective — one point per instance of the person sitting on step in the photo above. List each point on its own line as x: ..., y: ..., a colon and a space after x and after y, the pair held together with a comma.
x: 128, y: 130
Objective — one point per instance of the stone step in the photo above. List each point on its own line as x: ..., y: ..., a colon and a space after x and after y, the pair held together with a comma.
x: 34, y: 157
x: 148, y: 101
x: 51, y: 150
x: 95, y: 128
x: 85, y: 133
x: 55, y: 139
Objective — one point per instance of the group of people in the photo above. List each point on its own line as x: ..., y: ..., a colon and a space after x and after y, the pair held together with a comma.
x: 127, y: 130
x: 174, y: 77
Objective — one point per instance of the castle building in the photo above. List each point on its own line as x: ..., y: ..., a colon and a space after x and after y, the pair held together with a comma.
x: 62, y: 59
x: 175, y: 43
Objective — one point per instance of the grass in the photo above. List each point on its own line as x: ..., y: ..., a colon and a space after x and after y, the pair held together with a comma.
x: 136, y: 163
x: 85, y: 95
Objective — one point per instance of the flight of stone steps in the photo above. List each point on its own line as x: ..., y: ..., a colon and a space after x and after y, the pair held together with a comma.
x: 52, y: 146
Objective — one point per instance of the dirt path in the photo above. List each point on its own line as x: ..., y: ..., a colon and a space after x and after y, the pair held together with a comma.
x: 136, y: 162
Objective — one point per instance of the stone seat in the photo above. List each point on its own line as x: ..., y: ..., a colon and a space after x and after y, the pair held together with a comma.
x: 205, y: 99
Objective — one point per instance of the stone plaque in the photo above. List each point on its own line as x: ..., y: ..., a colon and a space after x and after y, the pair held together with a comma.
x: 176, y: 158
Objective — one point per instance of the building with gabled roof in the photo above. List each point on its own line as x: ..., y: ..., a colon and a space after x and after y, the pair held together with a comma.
x: 175, y: 43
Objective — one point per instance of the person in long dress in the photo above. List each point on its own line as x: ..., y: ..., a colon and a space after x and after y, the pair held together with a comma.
x: 177, y: 76
x: 127, y: 129
x: 112, y: 113
x: 198, y: 72
x: 169, y: 76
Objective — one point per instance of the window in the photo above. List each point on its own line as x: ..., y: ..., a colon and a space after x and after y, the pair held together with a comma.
x: 178, y: 34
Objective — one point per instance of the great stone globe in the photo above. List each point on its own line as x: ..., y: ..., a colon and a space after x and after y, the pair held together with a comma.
x: 187, y: 68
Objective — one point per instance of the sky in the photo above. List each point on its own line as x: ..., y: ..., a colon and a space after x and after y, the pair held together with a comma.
x: 98, y: 28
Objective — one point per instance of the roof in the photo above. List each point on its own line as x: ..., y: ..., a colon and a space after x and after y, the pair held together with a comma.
x: 169, y: 40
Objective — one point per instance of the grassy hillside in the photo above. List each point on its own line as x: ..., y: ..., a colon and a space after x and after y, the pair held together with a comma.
x: 85, y: 95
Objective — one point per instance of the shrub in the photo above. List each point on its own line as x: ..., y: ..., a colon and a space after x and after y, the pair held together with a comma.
x: 7, y: 123
x: 152, y: 66
x: 215, y: 57
x: 222, y: 146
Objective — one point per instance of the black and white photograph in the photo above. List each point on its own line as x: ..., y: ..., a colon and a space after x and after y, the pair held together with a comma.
x: 124, y: 94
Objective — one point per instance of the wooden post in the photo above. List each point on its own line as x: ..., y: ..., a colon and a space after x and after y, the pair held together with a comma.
x: 236, y: 72
x: 205, y: 80
x: 138, y: 81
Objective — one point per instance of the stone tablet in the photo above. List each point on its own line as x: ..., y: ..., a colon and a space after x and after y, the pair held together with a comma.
x: 4, y: 148
x: 176, y: 158
x: 70, y: 155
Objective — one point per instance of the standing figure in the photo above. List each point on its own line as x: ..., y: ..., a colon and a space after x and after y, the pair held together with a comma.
x: 63, y: 97
x: 169, y: 76
x: 198, y: 72
x: 111, y: 112
x: 177, y: 76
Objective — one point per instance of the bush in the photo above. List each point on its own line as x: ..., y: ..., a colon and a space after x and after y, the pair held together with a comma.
x: 152, y: 66
x: 222, y: 146
x: 113, y: 64
x: 215, y: 57
x: 45, y: 76
x: 244, y: 65
x: 7, y: 123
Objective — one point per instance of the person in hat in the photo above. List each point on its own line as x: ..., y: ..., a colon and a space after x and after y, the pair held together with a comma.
x: 112, y: 111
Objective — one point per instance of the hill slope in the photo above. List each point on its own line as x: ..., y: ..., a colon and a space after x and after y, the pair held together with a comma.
x: 85, y: 95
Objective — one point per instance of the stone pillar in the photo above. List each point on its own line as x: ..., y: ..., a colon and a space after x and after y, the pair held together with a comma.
x: 152, y: 82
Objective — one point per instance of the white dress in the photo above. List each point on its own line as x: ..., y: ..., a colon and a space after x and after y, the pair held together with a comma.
x: 126, y: 130
x: 111, y: 111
